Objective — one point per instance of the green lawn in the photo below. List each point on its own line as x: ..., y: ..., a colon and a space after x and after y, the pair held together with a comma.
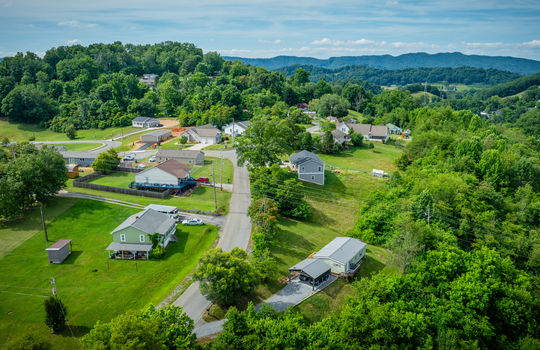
x: 206, y: 169
x: 115, y: 179
x: 92, y: 286
x: 218, y: 147
x: 173, y: 144
x: 22, y: 132
x: 334, y: 213
x: 201, y: 199
x: 76, y: 147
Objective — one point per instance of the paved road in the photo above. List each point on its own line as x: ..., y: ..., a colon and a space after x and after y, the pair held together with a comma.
x: 236, y: 233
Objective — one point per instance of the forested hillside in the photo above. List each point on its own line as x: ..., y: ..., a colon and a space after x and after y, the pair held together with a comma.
x: 410, y: 60
x: 360, y: 74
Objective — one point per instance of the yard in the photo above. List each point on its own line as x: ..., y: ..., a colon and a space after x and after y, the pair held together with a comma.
x: 206, y: 169
x: 92, y: 286
x: 22, y: 132
x: 77, y: 147
x: 334, y: 213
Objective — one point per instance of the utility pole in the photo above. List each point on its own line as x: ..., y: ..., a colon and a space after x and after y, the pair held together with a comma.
x: 221, y: 176
x: 53, y: 282
x: 43, y: 222
x: 428, y: 214
x: 233, y: 131
x: 214, y: 179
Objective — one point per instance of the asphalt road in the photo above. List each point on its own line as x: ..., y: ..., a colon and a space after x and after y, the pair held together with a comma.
x: 107, y: 144
x: 236, y: 233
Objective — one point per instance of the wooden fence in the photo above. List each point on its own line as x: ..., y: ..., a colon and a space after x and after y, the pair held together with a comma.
x: 82, y: 182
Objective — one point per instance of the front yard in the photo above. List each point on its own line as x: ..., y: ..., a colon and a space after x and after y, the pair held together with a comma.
x: 91, y: 285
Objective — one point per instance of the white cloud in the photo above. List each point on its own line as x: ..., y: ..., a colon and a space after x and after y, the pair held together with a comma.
x: 323, y: 41
x: 73, y: 42
x: 532, y: 43
x: 277, y: 41
x: 75, y: 24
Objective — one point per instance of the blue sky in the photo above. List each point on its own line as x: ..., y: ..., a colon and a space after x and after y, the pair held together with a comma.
x: 253, y: 28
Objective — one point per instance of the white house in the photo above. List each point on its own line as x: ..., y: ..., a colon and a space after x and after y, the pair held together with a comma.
x: 169, y: 172
x: 342, y: 254
x: 309, y: 166
x: 237, y: 128
x: 370, y: 132
x: 207, y: 134
x: 145, y: 122
x: 148, y: 80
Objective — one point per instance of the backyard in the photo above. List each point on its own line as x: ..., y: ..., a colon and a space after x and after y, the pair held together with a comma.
x: 91, y: 285
x: 77, y: 147
x: 334, y: 213
x: 22, y: 132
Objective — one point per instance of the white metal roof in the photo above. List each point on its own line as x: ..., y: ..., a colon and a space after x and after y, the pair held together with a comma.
x: 148, y: 221
x: 129, y: 246
x: 161, y: 208
x: 312, y: 267
x: 341, y: 249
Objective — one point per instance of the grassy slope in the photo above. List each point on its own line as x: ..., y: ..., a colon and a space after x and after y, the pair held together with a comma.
x: 15, y: 233
x: 22, y: 132
x: 206, y: 169
x: 335, y: 210
x: 75, y: 147
x: 115, y: 287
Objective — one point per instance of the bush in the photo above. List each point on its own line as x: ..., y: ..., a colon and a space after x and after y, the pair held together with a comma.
x: 55, y: 314
x: 28, y: 342
x: 158, y: 252
x: 71, y: 132
x: 32, y: 138
x: 371, y: 145
x: 183, y: 140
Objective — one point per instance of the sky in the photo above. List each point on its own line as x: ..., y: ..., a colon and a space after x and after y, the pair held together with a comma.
x: 253, y: 28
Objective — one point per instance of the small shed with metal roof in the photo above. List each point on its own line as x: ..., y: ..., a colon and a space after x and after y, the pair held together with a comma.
x: 59, y: 251
x: 156, y: 136
x: 311, y: 270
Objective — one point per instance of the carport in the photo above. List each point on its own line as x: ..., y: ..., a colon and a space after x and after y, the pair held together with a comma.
x: 312, y: 271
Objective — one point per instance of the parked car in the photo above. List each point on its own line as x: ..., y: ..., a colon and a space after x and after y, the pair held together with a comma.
x: 193, y: 221
x: 128, y: 157
x: 152, y: 159
x: 141, y: 166
x: 202, y: 179
x: 175, y: 217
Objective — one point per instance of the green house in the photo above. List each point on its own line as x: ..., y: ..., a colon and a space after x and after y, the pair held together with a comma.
x: 131, y: 239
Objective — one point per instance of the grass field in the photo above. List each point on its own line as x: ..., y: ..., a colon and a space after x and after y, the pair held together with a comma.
x: 201, y: 199
x: 334, y: 213
x: 22, y: 132
x: 218, y: 147
x: 115, y: 179
x: 76, y: 147
x: 91, y: 285
x: 206, y: 169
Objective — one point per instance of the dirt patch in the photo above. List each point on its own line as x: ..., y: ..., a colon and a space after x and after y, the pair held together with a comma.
x: 169, y: 122
x: 179, y: 130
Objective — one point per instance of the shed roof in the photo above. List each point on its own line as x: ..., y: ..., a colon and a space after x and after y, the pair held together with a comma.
x: 312, y: 267
x: 144, y: 119
x: 161, y: 208
x: 341, y: 249
x: 178, y: 153
x: 159, y: 132
x: 129, y: 246
x: 59, y: 244
x: 304, y: 156
x: 71, y: 167
x: 148, y: 221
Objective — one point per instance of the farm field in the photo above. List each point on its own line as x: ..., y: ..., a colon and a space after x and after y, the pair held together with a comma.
x: 22, y: 132
x: 334, y: 213
x: 91, y: 285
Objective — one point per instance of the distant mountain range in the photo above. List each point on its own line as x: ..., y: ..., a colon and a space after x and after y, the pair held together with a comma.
x: 410, y: 60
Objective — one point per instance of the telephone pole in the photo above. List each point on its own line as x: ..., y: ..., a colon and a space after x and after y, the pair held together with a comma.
x: 233, y: 131
x: 221, y: 176
x: 214, y: 179
x: 43, y: 222
x: 53, y: 282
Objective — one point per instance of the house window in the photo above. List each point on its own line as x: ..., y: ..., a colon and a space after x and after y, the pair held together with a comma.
x: 302, y: 168
x: 312, y: 177
x: 320, y: 168
x: 141, y: 238
x: 122, y: 237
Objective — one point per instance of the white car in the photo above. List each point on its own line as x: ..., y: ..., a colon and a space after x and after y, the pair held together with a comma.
x: 152, y: 159
x: 129, y: 156
x: 193, y: 221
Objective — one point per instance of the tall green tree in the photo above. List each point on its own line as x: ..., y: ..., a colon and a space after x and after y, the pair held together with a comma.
x: 55, y: 314
x: 106, y: 161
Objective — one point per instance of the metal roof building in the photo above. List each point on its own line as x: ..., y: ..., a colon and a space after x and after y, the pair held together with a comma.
x: 311, y: 270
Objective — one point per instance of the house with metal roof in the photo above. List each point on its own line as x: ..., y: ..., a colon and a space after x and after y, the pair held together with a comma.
x: 312, y: 271
x: 79, y: 158
x: 207, y: 134
x: 370, y: 132
x: 342, y: 254
x: 132, y: 238
x: 183, y: 156
x: 156, y: 136
x: 145, y: 122
x: 236, y: 128
x: 309, y: 166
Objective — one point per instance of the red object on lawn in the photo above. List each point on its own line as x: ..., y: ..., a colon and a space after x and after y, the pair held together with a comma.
x: 202, y: 179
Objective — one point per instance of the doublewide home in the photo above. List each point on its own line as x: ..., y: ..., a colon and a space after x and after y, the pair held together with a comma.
x: 132, y: 239
x: 207, y: 134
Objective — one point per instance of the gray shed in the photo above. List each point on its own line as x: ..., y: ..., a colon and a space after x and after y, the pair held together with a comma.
x: 59, y: 251
x: 156, y: 136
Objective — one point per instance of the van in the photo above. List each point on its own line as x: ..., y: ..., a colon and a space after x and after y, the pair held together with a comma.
x: 166, y: 209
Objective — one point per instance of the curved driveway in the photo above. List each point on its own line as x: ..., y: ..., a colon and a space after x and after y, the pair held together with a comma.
x: 236, y: 233
x: 106, y: 144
